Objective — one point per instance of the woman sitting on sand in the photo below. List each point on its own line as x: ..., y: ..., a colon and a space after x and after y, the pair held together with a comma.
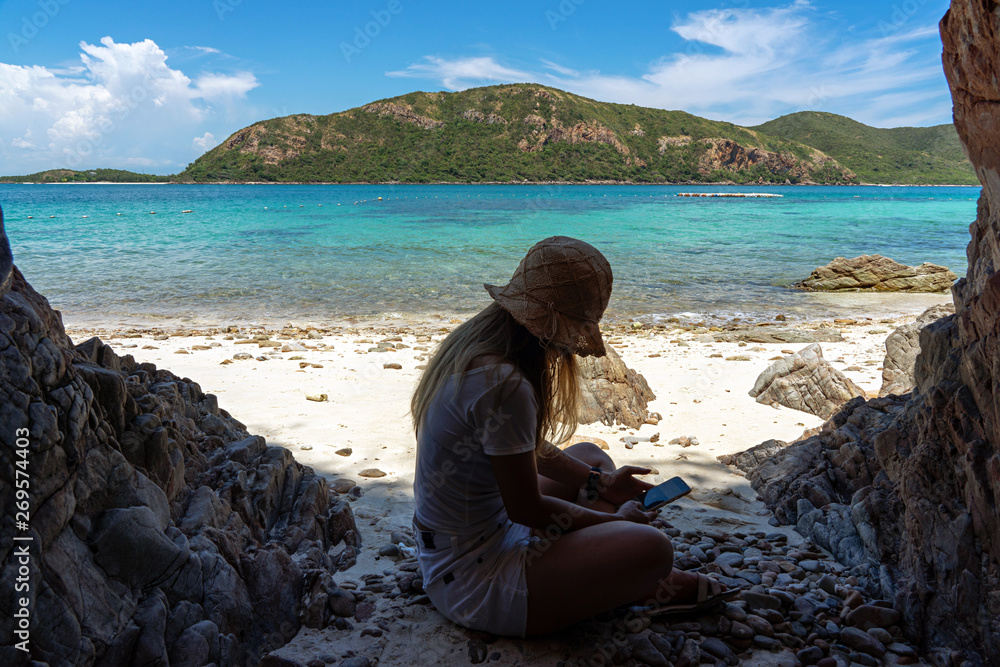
x: 514, y: 536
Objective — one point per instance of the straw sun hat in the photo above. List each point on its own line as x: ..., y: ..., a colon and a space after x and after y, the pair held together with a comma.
x: 559, y: 292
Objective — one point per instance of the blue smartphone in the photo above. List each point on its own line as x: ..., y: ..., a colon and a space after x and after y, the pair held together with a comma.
x: 663, y: 494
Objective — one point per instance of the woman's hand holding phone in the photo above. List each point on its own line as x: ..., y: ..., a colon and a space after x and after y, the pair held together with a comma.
x: 621, y: 485
x: 632, y: 511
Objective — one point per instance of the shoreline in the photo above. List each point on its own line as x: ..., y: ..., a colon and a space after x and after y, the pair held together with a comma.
x: 835, y: 305
x: 479, y: 183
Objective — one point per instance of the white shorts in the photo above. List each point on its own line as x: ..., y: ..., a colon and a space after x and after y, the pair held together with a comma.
x: 479, y: 584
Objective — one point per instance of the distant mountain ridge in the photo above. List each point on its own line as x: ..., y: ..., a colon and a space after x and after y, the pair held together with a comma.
x: 87, y: 176
x: 906, y: 155
x: 519, y: 133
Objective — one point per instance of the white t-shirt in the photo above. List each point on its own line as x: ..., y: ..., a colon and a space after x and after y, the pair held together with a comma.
x: 454, y: 487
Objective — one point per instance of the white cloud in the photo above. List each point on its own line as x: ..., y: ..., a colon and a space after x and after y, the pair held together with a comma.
x: 559, y: 69
x: 101, y: 113
x: 224, y: 86
x: 751, y: 65
x: 205, y: 142
x: 462, y: 73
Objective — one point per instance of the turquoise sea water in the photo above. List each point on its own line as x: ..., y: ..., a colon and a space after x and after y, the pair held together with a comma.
x: 277, y: 253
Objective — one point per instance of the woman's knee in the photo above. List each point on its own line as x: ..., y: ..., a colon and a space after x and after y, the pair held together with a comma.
x: 590, y: 453
x: 653, y: 549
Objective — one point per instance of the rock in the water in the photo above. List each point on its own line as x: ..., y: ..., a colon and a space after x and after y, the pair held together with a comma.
x: 805, y: 381
x: 611, y: 392
x: 162, y: 530
x: 874, y: 273
x: 901, y: 349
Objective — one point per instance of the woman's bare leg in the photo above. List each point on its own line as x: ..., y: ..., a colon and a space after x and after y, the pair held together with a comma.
x: 595, y: 569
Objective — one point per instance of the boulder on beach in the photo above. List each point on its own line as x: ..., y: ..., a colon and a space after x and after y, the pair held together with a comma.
x: 612, y: 392
x: 159, y: 531
x: 875, y: 273
x: 901, y: 350
x: 805, y: 381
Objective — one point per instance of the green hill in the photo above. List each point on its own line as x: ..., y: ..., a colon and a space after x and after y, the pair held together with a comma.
x: 532, y: 133
x: 509, y: 133
x: 908, y: 155
x: 86, y: 176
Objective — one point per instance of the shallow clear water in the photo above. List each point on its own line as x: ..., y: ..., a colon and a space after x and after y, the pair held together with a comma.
x: 275, y: 253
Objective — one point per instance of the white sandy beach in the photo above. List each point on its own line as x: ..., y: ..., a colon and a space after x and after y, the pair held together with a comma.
x: 699, y: 392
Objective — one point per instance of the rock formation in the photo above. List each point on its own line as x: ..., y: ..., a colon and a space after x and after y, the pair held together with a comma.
x: 612, y: 392
x: 901, y: 349
x: 874, y: 273
x: 404, y: 113
x: 805, y: 381
x: 732, y: 156
x: 159, y: 531
x: 910, y: 485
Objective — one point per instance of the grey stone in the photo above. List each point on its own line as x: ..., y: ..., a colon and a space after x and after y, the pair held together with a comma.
x: 647, y: 654
x: 767, y: 643
x: 870, y: 616
x: 760, y: 626
x: 741, y: 630
x: 757, y: 601
x: 901, y: 349
x: 882, y: 635
x: 730, y: 559
x: 862, y: 641
x: 805, y: 381
x: 734, y: 612
x: 810, y: 655
x: 717, y: 648
x: 343, y: 603
x: 610, y: 392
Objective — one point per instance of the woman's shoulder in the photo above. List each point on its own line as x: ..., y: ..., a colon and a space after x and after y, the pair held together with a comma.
x: 488, y: 360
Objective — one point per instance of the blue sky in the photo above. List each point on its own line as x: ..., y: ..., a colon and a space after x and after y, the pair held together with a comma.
x: 151, y: 86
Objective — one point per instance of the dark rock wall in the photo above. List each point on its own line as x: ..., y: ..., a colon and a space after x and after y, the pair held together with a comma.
x: 162, y: 533
x: 908, y: 487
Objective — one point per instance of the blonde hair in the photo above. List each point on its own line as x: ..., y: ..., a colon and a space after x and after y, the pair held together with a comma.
x: 551, y: 370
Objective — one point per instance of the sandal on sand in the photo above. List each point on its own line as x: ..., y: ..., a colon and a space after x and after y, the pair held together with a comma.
x: 710, y: 595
